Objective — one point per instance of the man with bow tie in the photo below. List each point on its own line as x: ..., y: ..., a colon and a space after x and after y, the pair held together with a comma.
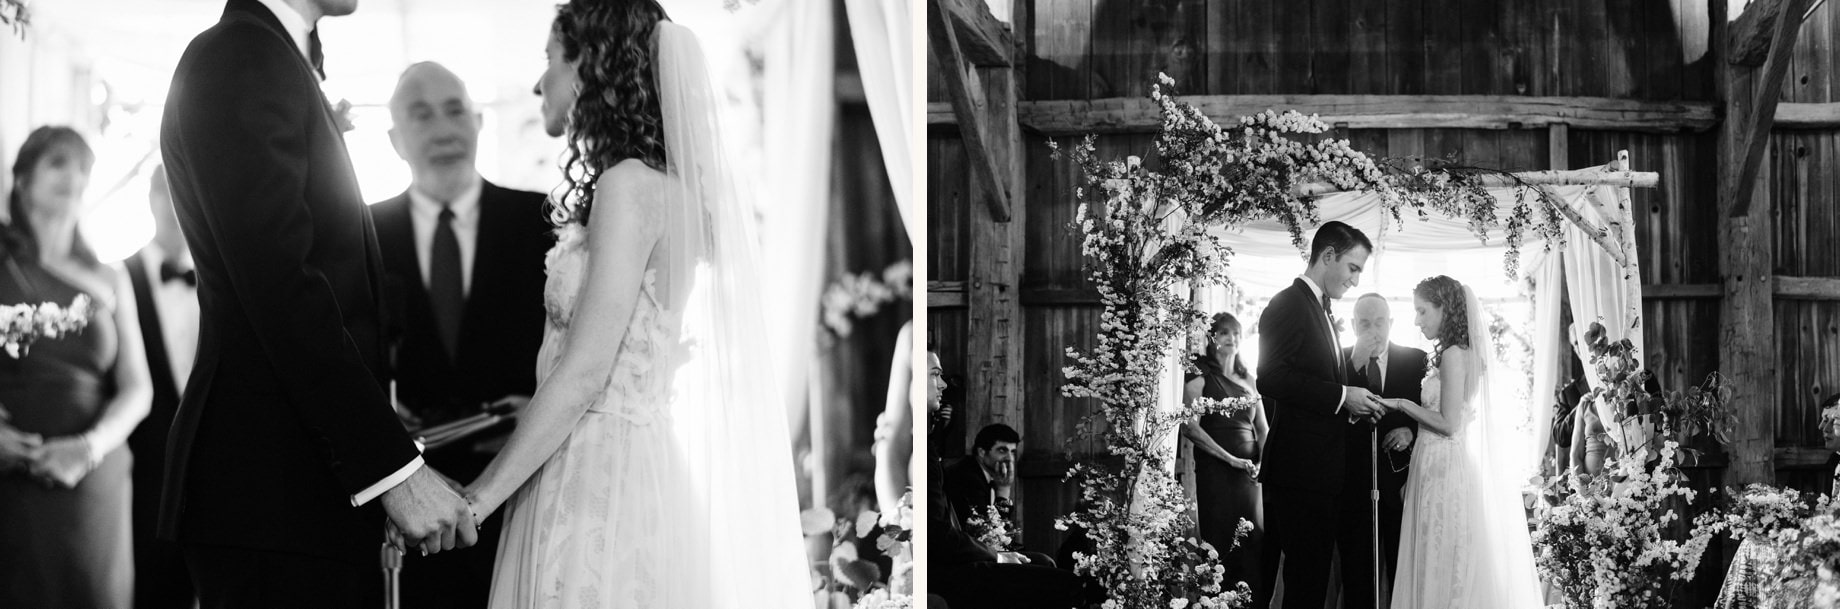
x: 286, y: 458
x: 165, y: 287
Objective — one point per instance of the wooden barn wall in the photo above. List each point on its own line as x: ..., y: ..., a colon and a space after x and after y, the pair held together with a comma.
x: 1082, y: 49
x: 1619, y: 48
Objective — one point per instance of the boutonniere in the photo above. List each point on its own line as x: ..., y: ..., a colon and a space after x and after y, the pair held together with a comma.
x: 341, y: 114
x: 1336, y: 322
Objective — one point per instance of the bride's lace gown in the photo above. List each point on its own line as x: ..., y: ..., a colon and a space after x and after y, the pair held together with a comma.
x: 1458, y: 547
x: 603, y: 523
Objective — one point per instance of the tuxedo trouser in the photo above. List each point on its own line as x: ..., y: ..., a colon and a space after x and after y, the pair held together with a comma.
x: 1355, y: 542
x: 1001, y: 586
x: 1300, y: 527
x: 236, y: 578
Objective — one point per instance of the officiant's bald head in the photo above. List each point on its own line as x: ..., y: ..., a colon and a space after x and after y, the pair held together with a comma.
x: 435, y: 127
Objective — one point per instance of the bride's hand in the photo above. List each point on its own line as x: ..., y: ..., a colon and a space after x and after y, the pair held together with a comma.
x: 482, y: 507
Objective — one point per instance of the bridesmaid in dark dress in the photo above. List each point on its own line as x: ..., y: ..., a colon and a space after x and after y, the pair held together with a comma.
x: 1226, y: 450
x: 70, y: 402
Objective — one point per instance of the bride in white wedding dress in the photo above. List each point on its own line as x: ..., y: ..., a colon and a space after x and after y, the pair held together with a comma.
x: 1463, y: 538
x: 647, y: 471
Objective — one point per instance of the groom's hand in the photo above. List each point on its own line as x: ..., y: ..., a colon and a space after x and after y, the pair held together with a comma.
x: 430, y: 514
x: 1359, y: 402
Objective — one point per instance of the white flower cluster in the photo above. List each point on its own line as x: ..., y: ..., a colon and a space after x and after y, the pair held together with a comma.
x: 22, y: 324
x: 863, y: 295
x: 1609, y: 545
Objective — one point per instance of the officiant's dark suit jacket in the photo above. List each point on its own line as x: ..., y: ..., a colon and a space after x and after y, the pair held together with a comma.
x: 285, y: 416
x: 1301, y: 377
x: 501, y: 329
x: 1405, y: 372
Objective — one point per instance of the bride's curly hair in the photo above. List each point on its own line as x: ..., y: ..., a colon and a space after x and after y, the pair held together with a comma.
x: 1447, y: 295
x: 616, y: 114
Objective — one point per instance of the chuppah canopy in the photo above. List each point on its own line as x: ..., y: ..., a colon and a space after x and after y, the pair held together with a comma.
x: 1597, y: 264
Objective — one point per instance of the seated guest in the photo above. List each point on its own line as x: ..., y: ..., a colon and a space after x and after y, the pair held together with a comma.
x: 963, y: 571
x: 986, y: 481
x: 986, y: 478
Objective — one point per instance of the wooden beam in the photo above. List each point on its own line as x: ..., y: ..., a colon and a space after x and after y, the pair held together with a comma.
x: 994, y: 328
x: 1807, y: 288
x: 1571, y: 177
x: 1754, y: 132
x: 1791, y: 115
x: 1680, y: 291
x: 1801, y: 457
x: 969, y: 106
x: 1746, y: 246
x: 984, y: 40
x: 1140, y: 115
x: 1752, y: 32
x: 1060, y: 296
x: 945, y: 294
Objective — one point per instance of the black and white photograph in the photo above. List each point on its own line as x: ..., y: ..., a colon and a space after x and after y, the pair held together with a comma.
x: 1398, y: 303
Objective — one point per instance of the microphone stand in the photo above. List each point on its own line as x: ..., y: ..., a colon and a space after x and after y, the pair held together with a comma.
x: 1373, y: 493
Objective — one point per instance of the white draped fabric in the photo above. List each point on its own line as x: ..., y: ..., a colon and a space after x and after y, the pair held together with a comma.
x: 799, y: 93
x: 882, y: 31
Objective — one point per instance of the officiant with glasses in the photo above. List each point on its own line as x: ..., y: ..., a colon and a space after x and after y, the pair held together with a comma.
x: 465, y: 258
x: 1389, y: 371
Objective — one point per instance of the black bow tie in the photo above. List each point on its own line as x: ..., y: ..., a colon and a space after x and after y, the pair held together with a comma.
x: 315, y: 54
x: 170, y: 272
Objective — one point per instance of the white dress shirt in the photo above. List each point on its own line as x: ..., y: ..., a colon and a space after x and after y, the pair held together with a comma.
x: 425, y: 212
x: 298, y: 29
x: 175, y: 304
x: 1333, y: 343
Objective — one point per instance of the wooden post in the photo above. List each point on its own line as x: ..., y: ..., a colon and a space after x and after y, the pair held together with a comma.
x: 1747, y: 356
x: 994, y: 341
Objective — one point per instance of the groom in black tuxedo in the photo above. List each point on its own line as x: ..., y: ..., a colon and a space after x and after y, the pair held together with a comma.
x: 1390, y: 371
x: 467, y: 256
x: 1314, y: 406
x: 285, y: 455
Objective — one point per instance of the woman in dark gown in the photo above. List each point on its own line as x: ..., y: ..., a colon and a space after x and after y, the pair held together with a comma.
x: 70, y: 402
x: 1226, y: 451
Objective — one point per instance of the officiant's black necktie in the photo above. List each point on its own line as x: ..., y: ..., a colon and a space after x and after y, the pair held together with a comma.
x: 445, y: 291
x: 1373, y: 374
x: 315, y: 54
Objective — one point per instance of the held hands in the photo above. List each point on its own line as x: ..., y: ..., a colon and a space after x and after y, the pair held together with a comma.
x: 424, y: 511
x: 1361, y: 403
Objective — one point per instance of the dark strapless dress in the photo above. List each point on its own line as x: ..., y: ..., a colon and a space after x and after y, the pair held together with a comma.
x: 1224, y: 494
x: 63, y: 547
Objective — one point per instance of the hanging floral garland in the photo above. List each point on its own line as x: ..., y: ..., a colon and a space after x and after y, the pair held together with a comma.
x: 1148, y: 233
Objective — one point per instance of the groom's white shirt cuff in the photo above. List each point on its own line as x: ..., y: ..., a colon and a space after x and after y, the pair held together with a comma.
x: 1314, y: 289
x: 366, y: 495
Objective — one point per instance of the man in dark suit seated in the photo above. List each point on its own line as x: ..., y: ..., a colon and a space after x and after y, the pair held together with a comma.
x: 465, y: 256
x: 963, y: 571
x: 986, y: 480
x: 1389, y: 371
